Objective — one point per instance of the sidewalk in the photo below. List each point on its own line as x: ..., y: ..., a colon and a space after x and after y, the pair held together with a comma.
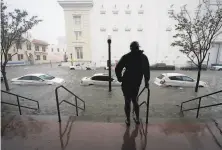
x: 45, y: 133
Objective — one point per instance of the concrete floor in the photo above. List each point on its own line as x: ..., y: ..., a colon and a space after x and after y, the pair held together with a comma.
x: 45, y: 133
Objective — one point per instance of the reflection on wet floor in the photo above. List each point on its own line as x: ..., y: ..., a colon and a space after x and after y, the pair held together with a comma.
x: 129, y: 142
x: 63, y: 133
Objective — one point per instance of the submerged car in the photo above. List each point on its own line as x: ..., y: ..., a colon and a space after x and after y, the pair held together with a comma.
x: 162, y: 66
x: 37, y: 79
x: 99, y: 79
x: 177, y: 79
x: 216, y: 67
x: 78, y: 67
x: 193, y: 67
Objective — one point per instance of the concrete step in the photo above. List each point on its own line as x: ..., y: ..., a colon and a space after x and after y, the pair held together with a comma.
x: 45, y: 133
x: 215, y: 129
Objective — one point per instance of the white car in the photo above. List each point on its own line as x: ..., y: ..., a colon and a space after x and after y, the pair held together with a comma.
x: 218, y: 68
x: 37, y: 79
x: 99, y: 79
x: 176, y: 79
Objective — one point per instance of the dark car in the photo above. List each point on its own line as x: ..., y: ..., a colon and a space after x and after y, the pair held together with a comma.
x: 193, y: 67
x: 162, y: 66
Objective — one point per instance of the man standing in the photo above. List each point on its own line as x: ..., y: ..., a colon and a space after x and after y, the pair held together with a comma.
x: 136, y: 66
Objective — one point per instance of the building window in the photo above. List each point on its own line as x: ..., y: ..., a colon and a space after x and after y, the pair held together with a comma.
x: 43, y: 48
x: 21, y: 56
x: 140, y: 11
x: 115, y: 29
x: 52, y: 49
x: 128, y: 11
x: 102, y: 11
x: 58, y: 49
x: 36, y: 48
x: 18, y: 45
x: 77, y: 20
x: 9, y: 57
x: 79, y: 53
x: 127, y: 29
x: 78, y: 34
x: 29, y: 46
x: 140, y: 29
x: 115, y: 11
x: 37, y: 57
x: 44, y: 57
x: 102, y: 29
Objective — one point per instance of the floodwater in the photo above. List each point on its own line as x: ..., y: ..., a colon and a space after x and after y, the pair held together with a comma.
x: 100, y: 103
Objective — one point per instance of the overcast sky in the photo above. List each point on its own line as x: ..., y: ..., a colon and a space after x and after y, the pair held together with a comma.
x: 53, y: 24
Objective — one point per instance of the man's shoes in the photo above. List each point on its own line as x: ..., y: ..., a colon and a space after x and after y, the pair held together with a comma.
x: 127, y: 123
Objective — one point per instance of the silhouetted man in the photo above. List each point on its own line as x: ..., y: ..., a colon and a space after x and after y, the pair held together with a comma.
x: 136, y: 66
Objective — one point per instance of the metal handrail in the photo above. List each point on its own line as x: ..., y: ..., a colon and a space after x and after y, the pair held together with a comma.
x: 19, y: 106
x: 147, y: 102
x: 75, y: 105
x: 200, y: 99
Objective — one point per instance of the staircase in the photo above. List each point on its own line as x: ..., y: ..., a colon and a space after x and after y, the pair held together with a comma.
x: 80, y: 129
x: 45, y: 132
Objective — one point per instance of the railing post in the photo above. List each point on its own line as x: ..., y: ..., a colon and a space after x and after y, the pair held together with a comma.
x: 84, y: 105
x: 57, y: 103
x: 181, y: 107
x: 20, y: 112
x: 76, y: 106
x: 38, y: 105
x: 147, y: 105
x: 198, y: 108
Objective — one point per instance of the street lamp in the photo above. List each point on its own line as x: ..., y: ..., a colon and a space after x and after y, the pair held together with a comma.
x: 175, y: 60
x: 71, y: 59
x: 109, y: 60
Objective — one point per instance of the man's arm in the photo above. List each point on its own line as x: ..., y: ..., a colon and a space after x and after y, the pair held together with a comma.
x: 146, y: 70
x: 119, y: 68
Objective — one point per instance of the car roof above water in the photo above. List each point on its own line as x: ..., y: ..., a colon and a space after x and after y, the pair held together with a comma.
x: 173, y: 74
x: 35, y: 74
x: 100, y: 74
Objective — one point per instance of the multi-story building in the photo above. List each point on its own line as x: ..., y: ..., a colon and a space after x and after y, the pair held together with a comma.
x: 56, y: 53
x: 215, y: 53
x: 77, y: 19
x: 28, y: 52
x: 88, y: 23
x: 40, y: 51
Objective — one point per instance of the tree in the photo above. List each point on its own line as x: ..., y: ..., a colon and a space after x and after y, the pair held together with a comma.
x: 195, y: 33
x: 13, y: 26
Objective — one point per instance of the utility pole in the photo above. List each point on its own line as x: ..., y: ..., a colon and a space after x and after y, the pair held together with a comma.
x: 208, y: 59
x: 109, y: 61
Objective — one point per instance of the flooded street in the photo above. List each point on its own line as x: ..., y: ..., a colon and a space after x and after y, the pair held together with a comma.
x: 100, y: 103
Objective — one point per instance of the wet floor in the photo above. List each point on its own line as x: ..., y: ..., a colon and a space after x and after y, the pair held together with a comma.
x: 100, y: 103
x: 45, y: 133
